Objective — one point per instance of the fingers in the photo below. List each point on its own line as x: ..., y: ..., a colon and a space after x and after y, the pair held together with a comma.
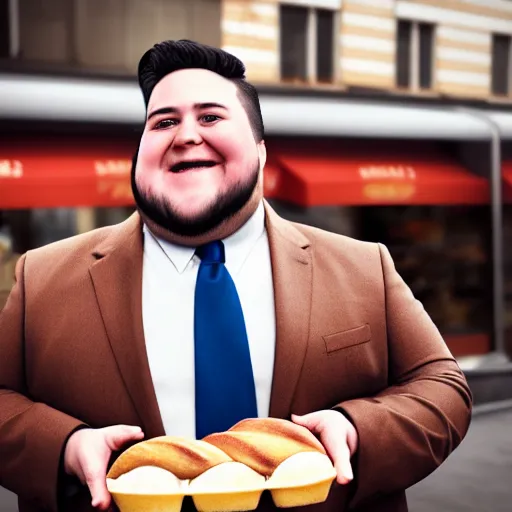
x: 344, y: 474
x: 117, y: 436
x: 94, y: 453
x: 335, y: 444
x: 96, y: 481
x: 334, y: 435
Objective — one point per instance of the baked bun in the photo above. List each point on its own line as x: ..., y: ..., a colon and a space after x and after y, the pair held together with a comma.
x: 263, y: 444
x: 184, y: 458
x: 233, y: 476
x: 224, y: 472
x: 146, y: 480
x: 302, y: 469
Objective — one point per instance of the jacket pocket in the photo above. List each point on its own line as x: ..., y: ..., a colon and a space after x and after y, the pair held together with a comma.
x: 346, y: 339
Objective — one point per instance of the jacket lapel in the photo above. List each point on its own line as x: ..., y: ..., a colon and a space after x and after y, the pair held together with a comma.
x: 117, y: 279
x: 292, y: 275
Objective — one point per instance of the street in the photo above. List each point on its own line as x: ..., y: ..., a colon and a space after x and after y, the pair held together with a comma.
x: 477, y: 477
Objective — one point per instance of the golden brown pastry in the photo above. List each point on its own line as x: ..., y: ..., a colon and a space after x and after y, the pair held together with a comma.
x: 264, y: 443
x: 184, y: 458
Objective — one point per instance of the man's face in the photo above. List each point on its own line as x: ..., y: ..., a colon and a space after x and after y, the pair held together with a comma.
x: 198, y: 161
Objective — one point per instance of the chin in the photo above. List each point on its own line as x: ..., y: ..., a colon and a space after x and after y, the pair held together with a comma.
x: 194, y: 207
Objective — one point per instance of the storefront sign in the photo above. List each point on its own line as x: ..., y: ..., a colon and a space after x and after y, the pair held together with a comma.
x: 389, y: 191
x: 387, y: 172
x: 112, y: 167
x: 11, y: 169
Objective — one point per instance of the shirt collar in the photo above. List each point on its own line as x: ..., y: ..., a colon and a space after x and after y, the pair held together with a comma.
x: 237, y: 246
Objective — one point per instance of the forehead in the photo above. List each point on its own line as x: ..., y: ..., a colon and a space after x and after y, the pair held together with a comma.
x: 190, y: 86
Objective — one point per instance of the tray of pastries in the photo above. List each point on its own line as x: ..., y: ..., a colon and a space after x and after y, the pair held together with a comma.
x: 224, y: 472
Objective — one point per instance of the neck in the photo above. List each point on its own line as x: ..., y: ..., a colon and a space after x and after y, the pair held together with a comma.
x: 223, y: 230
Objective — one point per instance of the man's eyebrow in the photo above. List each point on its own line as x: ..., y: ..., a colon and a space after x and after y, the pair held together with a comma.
x: 174, y: 110
x: 163, y: 110
x: 202, y: 106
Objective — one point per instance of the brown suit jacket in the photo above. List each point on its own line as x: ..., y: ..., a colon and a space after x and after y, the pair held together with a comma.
x: 349, y: 334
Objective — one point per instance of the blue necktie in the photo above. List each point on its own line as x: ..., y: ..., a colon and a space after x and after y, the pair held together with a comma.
x: 224, y: 381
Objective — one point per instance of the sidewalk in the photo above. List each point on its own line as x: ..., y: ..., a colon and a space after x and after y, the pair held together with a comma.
x: 477, y: 477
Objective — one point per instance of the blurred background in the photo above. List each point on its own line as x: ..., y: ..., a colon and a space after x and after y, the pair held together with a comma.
x: 386, y: 120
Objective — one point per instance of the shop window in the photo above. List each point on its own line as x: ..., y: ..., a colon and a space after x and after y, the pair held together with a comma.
x: 444, y: 254
x: 415, y: 55
x: 307, y: 44
x: 501, y: 65
x: 23, y: 230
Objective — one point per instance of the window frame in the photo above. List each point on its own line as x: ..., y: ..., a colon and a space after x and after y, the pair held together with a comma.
x: 13, y: 30
x: 415, y: 56
x: 311, y: 42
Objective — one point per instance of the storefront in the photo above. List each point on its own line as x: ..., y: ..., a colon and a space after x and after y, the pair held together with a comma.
x: 54, y: 187
x: 347, y: 165
x: 416, y: 198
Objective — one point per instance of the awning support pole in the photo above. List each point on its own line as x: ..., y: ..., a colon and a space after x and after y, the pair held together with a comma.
x: 497, y: 232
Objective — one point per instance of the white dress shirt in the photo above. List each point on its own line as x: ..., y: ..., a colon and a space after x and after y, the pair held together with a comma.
x: 168, y: 286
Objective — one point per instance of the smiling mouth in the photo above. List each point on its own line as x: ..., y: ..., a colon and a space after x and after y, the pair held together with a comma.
x: 193, y: 164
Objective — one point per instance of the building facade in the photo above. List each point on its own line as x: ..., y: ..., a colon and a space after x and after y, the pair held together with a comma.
x: 432, y: 48
x: 458, y: 48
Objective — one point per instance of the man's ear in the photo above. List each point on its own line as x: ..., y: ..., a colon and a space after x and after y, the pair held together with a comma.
x: 262, y: 153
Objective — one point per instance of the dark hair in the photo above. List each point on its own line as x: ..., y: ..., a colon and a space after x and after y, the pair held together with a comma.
x: 169, y: 56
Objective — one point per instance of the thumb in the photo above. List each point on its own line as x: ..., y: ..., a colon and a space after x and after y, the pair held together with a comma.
x: 118, y: 435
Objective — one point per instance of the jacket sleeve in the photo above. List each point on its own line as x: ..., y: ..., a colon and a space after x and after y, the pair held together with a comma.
x: 410, y: 428
x: 32, y: 435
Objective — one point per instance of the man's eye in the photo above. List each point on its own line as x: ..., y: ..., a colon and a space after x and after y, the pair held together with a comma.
x: 165, y: 123
x: 210, y: 118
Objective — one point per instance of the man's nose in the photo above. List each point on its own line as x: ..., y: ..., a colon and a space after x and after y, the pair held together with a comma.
x: 187, y: 133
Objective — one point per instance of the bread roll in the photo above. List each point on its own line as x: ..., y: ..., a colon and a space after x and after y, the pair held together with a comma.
x: 302, y: 469
x: 232, y: 476
x: 146, y: 480
x: 262, y: 444
x: 184, y: 458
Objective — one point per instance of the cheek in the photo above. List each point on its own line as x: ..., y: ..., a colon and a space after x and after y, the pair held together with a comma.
x: 153, y: 147
x: 151, y: 151
x: 239, y: 154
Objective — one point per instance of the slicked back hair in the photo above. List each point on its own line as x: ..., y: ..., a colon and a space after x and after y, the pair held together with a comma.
x: 169, y: 56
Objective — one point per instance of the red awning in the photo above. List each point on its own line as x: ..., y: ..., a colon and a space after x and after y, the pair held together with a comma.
x: 60, y: 172
x: 69, y: 171
x: 370, y: 173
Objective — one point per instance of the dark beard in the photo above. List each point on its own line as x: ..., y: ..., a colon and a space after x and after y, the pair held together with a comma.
x: 226, y: 206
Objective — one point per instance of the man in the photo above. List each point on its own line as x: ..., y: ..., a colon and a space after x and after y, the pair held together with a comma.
x: 206, y: 307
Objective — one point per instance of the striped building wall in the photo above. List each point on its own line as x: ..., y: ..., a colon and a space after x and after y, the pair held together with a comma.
x: 367, y: 43
x: 463, y: 51
x: 250, y: 30
x: 366, y: 49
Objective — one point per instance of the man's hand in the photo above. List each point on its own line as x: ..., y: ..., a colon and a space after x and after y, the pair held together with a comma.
x: 338, y: 436
x: 87, y: 454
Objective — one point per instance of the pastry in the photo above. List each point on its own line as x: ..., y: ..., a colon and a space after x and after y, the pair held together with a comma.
x: 146, y: 480
x: 184, y: 458
x: 263, y: 444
